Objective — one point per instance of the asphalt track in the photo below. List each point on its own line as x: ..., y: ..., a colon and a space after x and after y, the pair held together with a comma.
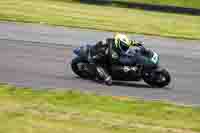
x: 39, y: 56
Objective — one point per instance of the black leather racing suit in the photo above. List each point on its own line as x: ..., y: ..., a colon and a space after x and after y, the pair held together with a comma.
x: 101, y: 57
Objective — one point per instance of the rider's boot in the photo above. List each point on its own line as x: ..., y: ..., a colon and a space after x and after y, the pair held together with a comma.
x: 108, y: 80
x: 102, y: 74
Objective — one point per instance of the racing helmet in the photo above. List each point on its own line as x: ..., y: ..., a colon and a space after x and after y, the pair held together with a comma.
x: 122, y: 42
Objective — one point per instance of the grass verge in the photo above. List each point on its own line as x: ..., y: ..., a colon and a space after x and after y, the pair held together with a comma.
x: 73, y: 14
x: 23, y: 110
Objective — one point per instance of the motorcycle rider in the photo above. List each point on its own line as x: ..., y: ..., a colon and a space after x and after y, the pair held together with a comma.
x: 123, y: 52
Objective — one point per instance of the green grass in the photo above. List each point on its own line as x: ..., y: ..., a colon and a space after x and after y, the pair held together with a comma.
x: 24, y: 110
x: 65, y: 13
x: 180, y: 3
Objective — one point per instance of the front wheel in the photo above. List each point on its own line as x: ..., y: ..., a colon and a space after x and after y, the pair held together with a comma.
x: 157, y: 78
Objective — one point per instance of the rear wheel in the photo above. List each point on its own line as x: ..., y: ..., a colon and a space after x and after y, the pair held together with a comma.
x: 79, y: 67
x: 158, y: 78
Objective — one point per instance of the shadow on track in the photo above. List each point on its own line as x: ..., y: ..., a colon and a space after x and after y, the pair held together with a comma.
x: 119, y: 83
x: 137, y: 85
x: 130, y: 84
x: 122, y: 83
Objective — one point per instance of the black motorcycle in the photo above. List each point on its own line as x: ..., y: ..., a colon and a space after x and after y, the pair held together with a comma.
x: 155, y: 76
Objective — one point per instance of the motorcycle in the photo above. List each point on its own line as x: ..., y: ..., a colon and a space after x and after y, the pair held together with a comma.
x: 155, y: 76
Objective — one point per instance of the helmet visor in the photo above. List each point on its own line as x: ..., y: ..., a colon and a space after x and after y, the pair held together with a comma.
x: 124, y: 46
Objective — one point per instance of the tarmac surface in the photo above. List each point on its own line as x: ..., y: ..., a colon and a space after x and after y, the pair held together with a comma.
x: 39, y: 56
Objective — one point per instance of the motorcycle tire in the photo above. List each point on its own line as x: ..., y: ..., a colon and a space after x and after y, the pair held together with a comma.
x: 155, y: 82
x: 75, y: 69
